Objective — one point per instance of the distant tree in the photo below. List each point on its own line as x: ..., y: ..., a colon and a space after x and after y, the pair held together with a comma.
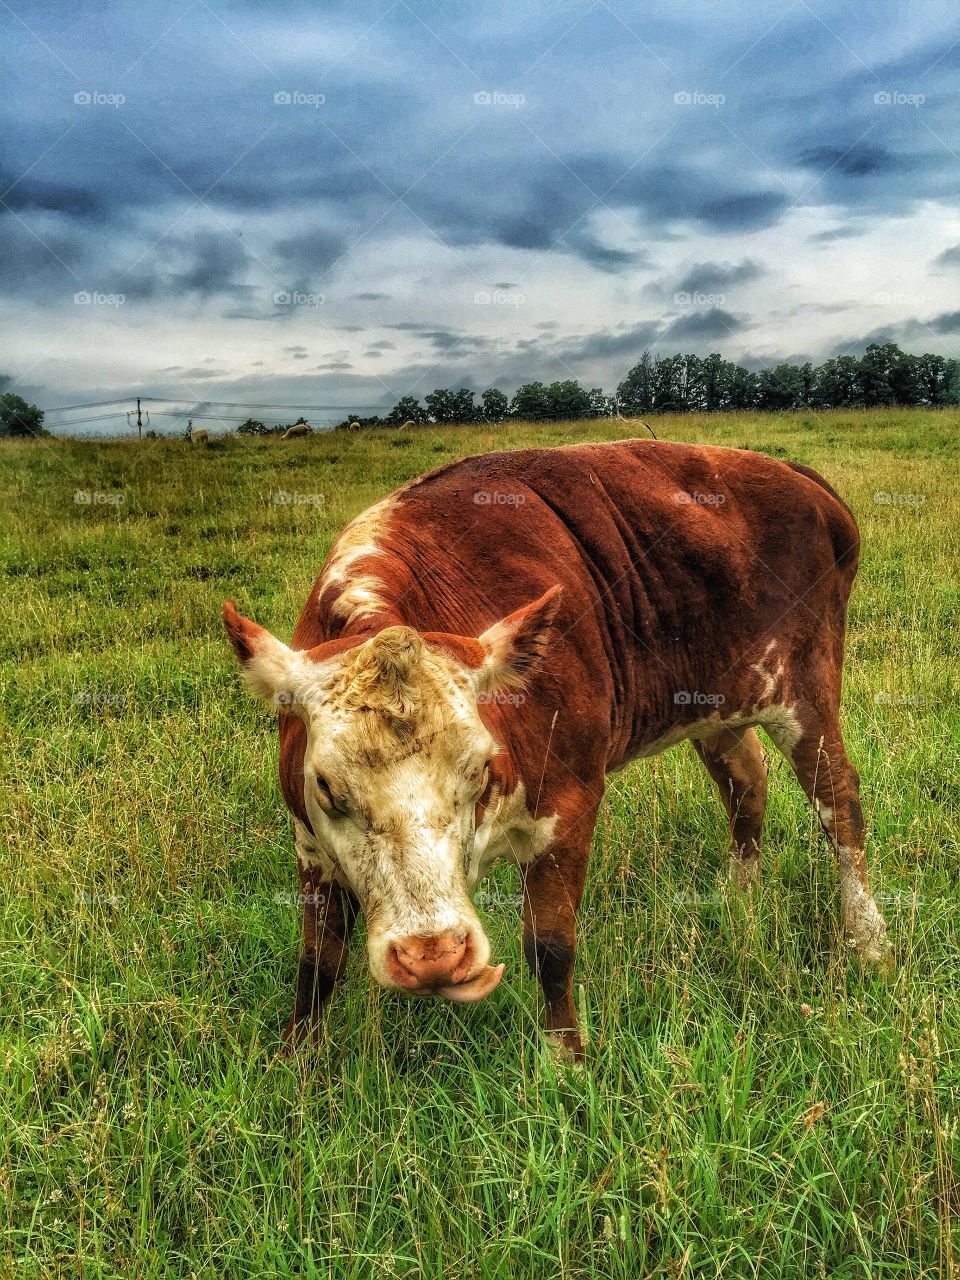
x: 494, y: 406
x: 836, y: 383
x: 464, y: 408
x: 780, y: 388
x: 17, y: 418
x: 634, y: 395
x: 407, y: 408
x: 252, y: 427
x: 567, y: 400
x: 600, y: 404
x: 449, y: 406
x: 530, y: 402
x: 934, y: 380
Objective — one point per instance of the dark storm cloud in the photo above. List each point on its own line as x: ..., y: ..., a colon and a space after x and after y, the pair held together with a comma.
x: 714, y: 323
x: 948, y: 322
x: 714, y: 277
x: 309, y: 252
x: 949, y: 257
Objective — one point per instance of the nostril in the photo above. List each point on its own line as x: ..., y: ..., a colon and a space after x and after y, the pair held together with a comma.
x: 428, y: 961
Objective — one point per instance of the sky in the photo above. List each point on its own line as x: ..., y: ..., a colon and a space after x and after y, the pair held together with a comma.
x: 339, y: 204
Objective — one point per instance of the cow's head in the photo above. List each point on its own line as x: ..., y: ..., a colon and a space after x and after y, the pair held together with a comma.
x: 397, y: 757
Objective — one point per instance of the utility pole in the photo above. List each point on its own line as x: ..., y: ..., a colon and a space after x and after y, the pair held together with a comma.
x: 139, y: 420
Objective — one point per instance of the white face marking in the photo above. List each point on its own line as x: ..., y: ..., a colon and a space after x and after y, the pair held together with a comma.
x: 508, y: 830
x: 360, y: 594
x: 391, y: 793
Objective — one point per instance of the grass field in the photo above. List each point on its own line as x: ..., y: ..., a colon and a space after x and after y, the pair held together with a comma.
x: 753, y: 1104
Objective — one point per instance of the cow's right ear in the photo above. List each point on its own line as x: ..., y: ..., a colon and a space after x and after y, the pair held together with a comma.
x: 513, y: 648
x: 270, y: 668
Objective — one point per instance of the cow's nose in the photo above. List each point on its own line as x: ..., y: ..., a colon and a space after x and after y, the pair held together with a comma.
x: 416, y: 962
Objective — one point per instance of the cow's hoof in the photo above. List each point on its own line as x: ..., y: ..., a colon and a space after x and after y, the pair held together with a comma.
x: 564, y: 1048
x: 873, y: 953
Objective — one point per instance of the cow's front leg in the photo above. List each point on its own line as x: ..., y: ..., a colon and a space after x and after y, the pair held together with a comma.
x: 328, y: 916
x: 551, y: 894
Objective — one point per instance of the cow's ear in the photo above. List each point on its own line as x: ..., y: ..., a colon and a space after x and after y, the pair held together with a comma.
x: 514, y: 647
x: 270, y: 668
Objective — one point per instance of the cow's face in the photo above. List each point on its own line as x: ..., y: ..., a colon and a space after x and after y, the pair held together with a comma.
x: 396, y: 759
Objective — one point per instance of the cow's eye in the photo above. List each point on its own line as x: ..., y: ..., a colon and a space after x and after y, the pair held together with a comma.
x: 323, y: 791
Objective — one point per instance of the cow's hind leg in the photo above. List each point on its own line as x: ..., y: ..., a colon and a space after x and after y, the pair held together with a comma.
x: 813, y: 744
x: 737, y: 762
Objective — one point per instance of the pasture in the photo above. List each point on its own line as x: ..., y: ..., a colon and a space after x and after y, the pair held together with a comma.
x: 753, y: 1104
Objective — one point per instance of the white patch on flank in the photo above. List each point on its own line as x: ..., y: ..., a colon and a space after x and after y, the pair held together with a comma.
x: 358, y: 594
x: 780, y: 722
x: 768, y: 677
x: 783, y: 725
x: 508, y: 830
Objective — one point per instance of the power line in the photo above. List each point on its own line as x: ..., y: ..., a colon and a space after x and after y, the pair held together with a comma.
x: 226, y: 404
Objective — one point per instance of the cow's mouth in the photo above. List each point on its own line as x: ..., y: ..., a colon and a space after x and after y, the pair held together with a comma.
x: 476, y: 988
x: 451, y: 964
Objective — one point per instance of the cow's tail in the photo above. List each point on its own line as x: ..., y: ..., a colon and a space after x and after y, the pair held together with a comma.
x: 843, y: 525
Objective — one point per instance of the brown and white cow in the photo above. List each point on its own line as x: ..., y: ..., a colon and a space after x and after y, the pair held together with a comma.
x: 486, y: 644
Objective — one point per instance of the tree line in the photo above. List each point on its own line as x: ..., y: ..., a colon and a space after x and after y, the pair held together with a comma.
x: 883, y: 375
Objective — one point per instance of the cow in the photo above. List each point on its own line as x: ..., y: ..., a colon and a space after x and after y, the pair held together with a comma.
x: 484, y: 645
x: 200, y: 436
x: 297, y: 430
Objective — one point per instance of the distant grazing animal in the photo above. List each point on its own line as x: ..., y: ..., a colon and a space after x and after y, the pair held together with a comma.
x: 405, y: 426
x: 354, y: 426
x: 201, y: 436
x: 485, y: 645
x: 298, y: 429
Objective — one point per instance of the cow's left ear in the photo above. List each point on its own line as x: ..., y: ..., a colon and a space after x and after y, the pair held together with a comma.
x: 513, y: 648
x: 270, y: 668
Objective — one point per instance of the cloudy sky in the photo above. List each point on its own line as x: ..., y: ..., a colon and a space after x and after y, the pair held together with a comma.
x: 339, y: 204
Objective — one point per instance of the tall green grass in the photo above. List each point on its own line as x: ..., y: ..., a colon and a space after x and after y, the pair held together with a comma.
x: 753, y: 1104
